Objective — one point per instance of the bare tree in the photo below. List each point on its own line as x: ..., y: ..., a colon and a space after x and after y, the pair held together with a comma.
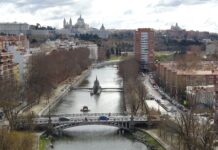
x: 10, y: 100
x: 194, y: 132
x: 190, y: 60
x: 133, y: 87
x: 46, y: 71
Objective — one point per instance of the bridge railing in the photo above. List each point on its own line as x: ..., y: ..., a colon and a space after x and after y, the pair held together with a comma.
x: 87, y: 114
x: 79, y: 119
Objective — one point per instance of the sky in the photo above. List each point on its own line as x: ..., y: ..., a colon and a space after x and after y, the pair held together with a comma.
x: 115, y: 14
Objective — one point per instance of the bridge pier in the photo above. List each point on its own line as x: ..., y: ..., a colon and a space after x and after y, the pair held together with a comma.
x: 121, y: 131
x: 57, y: 132
x: 132, y: 123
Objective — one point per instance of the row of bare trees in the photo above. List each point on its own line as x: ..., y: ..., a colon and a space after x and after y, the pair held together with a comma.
x: 134, y: 88
x: 188, y: 132
x: 44, y: 73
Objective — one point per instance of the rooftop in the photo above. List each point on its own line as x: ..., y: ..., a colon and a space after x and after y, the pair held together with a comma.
x: 207, y: 68
x: 12, y: 38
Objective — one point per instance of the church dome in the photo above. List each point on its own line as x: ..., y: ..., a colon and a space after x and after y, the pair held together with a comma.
x: 80, y: 22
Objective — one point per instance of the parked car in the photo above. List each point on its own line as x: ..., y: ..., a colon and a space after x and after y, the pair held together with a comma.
x: 103, y: 118
x: 163, y: 97
x: 173, y: 110
x: 64, y: 119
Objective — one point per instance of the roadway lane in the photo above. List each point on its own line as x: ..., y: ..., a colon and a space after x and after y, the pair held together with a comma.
x: 169, y: 108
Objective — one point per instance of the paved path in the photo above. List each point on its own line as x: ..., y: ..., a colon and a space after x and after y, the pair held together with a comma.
x: 62, y: 89
x: 158, y: 139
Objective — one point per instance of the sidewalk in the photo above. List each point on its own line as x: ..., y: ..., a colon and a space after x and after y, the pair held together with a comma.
x: 36, y: 109
x: 157, y: 138
x: 58, y: 94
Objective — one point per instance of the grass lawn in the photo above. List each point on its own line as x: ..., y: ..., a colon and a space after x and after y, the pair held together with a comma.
x: 113, y: 57
x: 164, y: 55
x: 153, y: 142
x: 43, y: 141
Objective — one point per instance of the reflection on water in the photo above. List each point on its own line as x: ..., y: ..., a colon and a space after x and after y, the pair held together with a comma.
x: 106, y: 102
x: 95, y: 137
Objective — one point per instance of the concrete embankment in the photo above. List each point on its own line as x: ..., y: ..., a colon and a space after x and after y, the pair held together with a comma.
x: 151, y: 139
x: 64, y: 91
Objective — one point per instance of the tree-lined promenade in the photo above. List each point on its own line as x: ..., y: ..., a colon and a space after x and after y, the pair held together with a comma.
x: 44, y: 73
x: 134, y: 88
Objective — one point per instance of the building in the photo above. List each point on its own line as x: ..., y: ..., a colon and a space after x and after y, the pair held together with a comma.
x: 16, y: 71
x: 176, y: 27
x: 93, y: 49
x: 19, y: 41
x: 15, y: 46
x: 14, y: 28
x: 80, y: 27
x: 144, y: 47
x: 175, y: 81
x: 201, y: 96
x: 6, y: 64
x: 212, y: 48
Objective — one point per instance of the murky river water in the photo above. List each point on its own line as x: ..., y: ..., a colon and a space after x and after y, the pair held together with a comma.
x: 95, y: 137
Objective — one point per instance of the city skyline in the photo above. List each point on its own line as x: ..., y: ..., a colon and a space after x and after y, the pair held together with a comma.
x: 123, y: 14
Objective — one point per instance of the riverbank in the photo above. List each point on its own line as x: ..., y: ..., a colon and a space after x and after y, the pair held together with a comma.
x: 151, y: 139
x: 43, y: 108
x: 62, y: 90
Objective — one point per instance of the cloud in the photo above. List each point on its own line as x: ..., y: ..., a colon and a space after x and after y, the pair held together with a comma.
x: 128, y: 12
x: 33, y: 6
x: 175, y: 3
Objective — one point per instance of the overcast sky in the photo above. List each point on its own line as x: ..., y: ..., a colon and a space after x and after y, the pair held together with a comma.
x: 121, y: 14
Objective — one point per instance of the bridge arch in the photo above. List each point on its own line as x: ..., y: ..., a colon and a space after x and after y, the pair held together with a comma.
x: 121, y: 125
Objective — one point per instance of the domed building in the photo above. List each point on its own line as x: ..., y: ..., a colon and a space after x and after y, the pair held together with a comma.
x: 82, y: 28
x: 81, y: 23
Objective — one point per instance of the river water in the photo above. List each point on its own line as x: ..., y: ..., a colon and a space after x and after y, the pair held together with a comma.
x: 95, y: 137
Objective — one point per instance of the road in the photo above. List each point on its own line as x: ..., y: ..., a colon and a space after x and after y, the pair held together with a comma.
x: 156, y: 93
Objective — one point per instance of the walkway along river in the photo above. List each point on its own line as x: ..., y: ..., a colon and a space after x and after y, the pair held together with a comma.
x: 95, y: 137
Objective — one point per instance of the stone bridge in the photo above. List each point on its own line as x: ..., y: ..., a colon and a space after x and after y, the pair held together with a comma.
x: 60, y: 122
x: 105, y: 63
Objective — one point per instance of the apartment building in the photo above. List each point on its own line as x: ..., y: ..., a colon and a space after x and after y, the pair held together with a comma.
x: 12, y: 48
x: 144, y: 47
x: 175, y: 81
x: 199, y: 96
x: 6, y: 64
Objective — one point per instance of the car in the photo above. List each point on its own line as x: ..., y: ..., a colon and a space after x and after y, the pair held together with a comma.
x: 105, y: 118
x: 163, y: 97
x: 157, y: 100
x: 63, y: 119
x: 173, y: 110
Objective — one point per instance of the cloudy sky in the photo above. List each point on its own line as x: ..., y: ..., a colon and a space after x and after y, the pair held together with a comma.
x: 121, y: 14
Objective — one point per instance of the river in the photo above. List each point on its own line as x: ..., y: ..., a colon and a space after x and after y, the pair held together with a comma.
x: 95, y: 137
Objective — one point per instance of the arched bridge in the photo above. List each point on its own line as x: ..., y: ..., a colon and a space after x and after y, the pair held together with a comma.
x: 105, y: 63
x: 64, y: 121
